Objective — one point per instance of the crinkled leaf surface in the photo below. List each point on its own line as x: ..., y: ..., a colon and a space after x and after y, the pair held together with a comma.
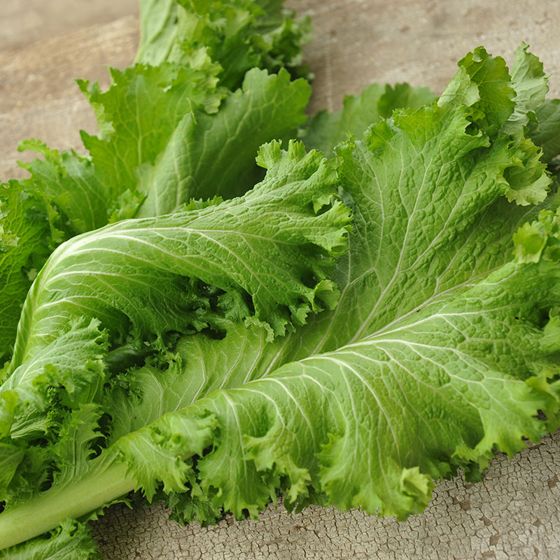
x: 238, y: 35
x: 136, y: 117
x: 530, y: 84
x: 154, y: 160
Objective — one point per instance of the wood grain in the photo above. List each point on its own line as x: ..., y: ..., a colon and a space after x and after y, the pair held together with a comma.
x: 38, y: 94
x: 29, y: 21
x: 515, y: 512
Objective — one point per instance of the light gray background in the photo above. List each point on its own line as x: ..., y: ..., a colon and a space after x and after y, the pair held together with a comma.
x: 515, y: 512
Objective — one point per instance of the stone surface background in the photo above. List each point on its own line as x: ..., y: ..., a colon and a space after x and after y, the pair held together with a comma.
x: 515, y: 512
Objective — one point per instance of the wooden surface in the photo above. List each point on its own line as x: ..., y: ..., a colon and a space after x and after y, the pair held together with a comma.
x: 515, y: 512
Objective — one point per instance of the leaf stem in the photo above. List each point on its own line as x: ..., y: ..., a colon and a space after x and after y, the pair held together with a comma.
x: 49, y: 509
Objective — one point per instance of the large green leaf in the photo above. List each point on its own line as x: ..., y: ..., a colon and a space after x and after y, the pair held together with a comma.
x: 436, y: 355
x: 371, y: 423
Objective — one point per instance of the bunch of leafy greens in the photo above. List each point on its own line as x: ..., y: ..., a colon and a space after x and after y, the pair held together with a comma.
x: 168, y: 133
x: 215, y: 336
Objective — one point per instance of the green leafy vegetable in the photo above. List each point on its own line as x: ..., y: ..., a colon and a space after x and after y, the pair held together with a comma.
x: 386, y: 392
x: 238, y: 35
x: 530, y: 84
x: 167, y: 133
x: 197, y: 353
